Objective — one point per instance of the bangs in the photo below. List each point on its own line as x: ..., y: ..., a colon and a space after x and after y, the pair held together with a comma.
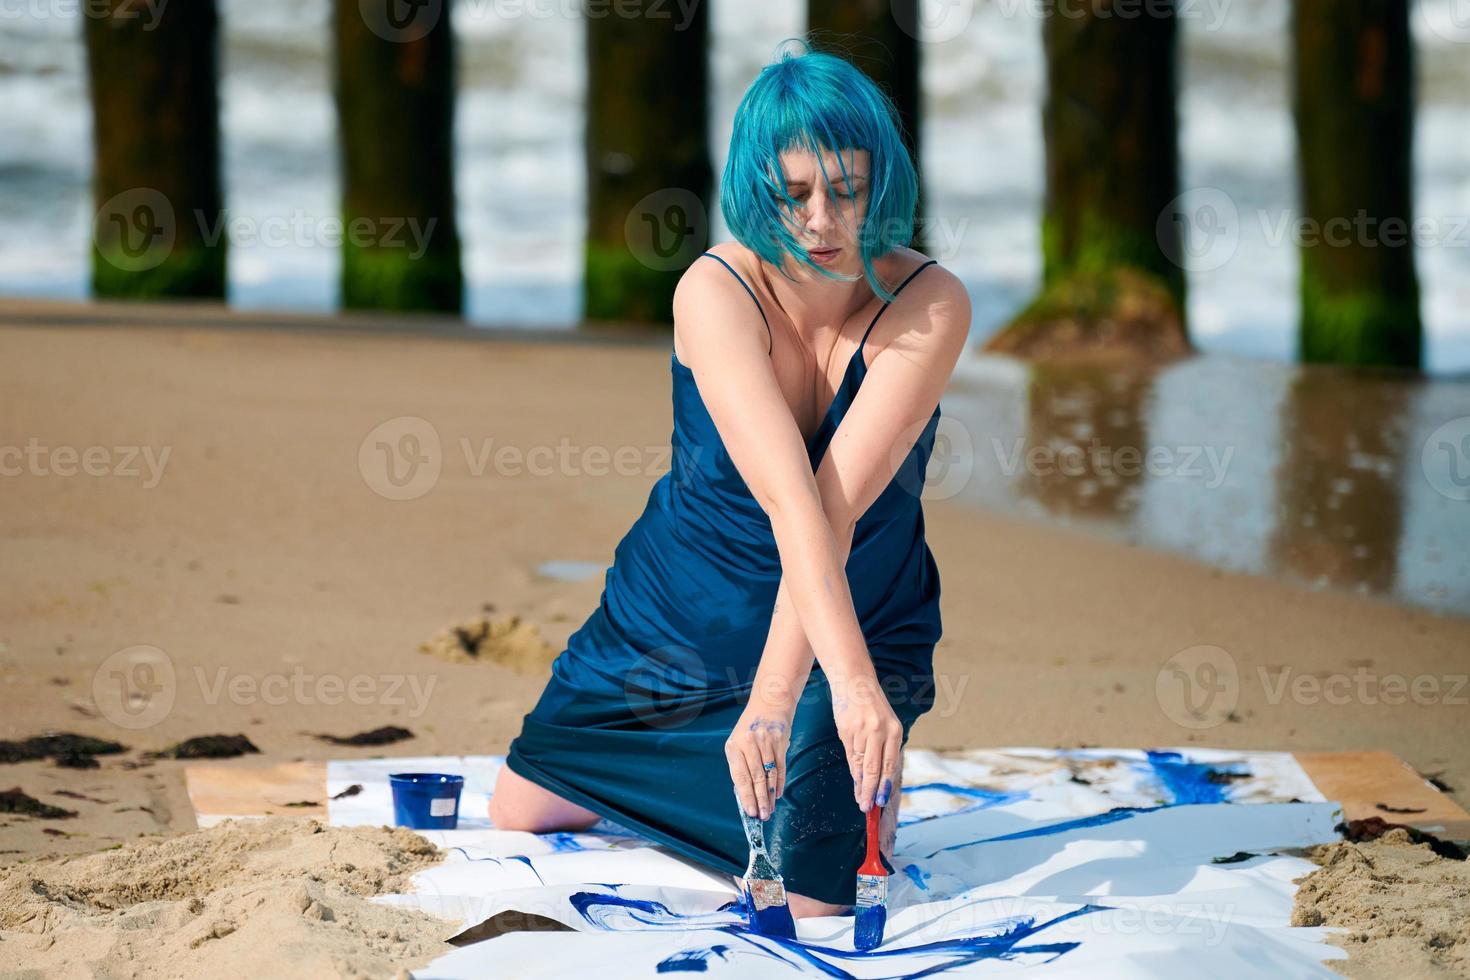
x: 819, y: 103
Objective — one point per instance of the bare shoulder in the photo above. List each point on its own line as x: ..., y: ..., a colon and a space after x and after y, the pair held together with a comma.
x: 933, y: 311
x: 710, y: 304
x: 704, y: 271
x: 706, y: 278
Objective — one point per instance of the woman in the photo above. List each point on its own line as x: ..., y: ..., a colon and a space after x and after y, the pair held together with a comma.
x: 806, y: 393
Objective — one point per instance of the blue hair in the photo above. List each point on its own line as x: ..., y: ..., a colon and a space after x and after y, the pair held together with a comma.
x: 817, y: 102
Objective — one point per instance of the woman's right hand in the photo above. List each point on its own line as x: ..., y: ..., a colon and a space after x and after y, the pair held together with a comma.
x: 871, y: 734
x: 761, y: 736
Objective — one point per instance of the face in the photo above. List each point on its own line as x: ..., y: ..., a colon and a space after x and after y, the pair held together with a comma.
x: 826, y: 222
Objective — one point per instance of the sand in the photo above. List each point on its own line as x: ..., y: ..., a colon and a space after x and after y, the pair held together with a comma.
x: 1405, y: 909
x: 279, y: 587
x: 507, y: 640
x: 287, y: 896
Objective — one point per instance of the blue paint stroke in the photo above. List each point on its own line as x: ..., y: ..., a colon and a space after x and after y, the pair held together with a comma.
x: 562, y: 841
x: 987, y: 797
x: 984, y: 799
x: 1096, y: 820
x: 1007, y: 942
x: 692, y: 960
x: 501, y: 860
x: 918, y: 876
x: 1187, y: 781
x: 601, y: 910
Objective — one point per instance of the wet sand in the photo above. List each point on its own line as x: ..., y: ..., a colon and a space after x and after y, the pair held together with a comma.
x: 220, y: 494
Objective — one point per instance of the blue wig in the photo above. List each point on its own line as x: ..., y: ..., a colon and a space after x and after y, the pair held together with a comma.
x: 817, y: 102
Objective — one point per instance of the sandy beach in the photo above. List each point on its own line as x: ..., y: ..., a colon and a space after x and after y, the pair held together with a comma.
x: 218, y: 489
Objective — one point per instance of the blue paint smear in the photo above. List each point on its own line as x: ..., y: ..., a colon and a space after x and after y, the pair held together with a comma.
x: 984, y: 798
x: 563, y: 842
x: 1006, y: 945
x: 918, y: 876
x: 501, y: 860
x: 692, y: 960
x: 597, y: 908
x: 1096, y: 820
x: 1191, y: 782
x: 1012, y: 940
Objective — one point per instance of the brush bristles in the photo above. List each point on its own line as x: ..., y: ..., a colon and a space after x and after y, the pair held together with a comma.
x: 871, y: 915
x: 867, y: 930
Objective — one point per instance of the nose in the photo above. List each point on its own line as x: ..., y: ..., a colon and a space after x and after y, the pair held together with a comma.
x: 821, y: 217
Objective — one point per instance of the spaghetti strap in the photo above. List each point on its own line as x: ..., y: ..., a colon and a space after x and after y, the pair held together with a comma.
x: 885, y: 306
x: 770, y: 340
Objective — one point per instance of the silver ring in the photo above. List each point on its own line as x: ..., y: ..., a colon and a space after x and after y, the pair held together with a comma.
x: 770, y: 767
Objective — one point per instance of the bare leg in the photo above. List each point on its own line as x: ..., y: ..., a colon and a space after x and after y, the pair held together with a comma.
x: 519, y: 804
x: 803, y: 907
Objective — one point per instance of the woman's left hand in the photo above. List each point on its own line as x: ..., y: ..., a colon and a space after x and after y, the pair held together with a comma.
x: 872, y: 736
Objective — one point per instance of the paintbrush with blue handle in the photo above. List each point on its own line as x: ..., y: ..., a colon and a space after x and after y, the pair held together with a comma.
x: 765, y: 892
x: 871, y: 915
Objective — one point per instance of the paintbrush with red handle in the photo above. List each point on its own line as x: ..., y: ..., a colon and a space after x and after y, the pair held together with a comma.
x: 871, y: 916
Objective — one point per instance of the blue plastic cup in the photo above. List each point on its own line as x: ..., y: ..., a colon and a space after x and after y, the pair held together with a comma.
x: 426, y: 800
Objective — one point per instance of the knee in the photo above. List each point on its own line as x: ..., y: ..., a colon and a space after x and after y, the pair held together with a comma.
x: 505, y: 816
x: 803, y: 907
x: 518, y: 804
x: 510, y: 809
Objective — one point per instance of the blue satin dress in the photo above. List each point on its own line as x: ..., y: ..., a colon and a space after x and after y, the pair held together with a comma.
x: 633, y: 722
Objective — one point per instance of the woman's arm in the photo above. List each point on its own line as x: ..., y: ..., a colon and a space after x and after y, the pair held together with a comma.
x: 727, y: 354
x: 723, y: 343
x: 764, y: 729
